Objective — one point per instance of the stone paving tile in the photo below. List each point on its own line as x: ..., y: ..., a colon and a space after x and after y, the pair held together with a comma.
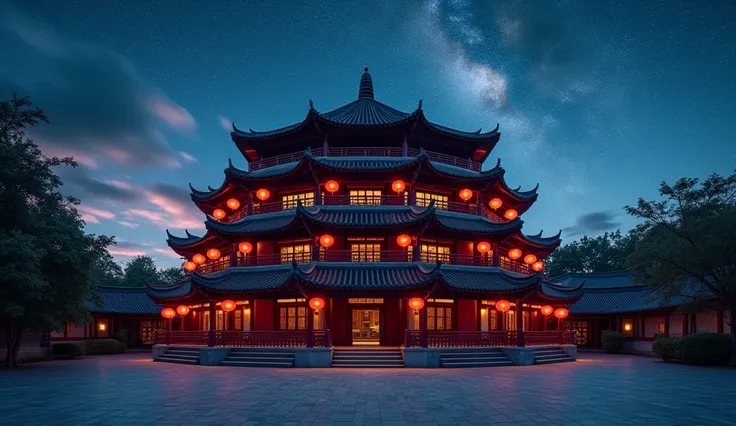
x: 597, y: 390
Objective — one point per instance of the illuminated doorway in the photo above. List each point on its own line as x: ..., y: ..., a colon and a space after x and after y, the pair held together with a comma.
x: 366, y: 327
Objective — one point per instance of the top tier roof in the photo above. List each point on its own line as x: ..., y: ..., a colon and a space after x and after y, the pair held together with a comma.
x: 365, y: 120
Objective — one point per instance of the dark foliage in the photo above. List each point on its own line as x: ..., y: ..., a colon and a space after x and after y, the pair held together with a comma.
x: 612, y: 341
x: 706, y: 348
x: 104, y: 347
x: 69, y: 349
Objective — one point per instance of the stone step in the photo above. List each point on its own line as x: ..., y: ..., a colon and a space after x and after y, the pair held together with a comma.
x: 359, y: 356
x: 194, y: 352
x: 357, y: 352
x: 551, y: 355
x: 551, y: 349
x: 177, y: 359
x: 473, y: 359
x: 366, y: 365
x: 179, y: 355
x: 470, y: 364
x: 271, y: 364
x: 394, y: 362
x: 553, y: 360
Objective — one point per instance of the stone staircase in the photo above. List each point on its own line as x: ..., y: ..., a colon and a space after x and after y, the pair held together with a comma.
x: 180, y: 356
x: 474, y: 357
x: 256, y: 357
x: 367, y: 358
x: 550, y: 355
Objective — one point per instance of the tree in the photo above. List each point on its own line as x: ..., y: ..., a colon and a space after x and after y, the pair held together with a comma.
x: 46, y: 259
x: 689, y: 243
x: 140, y: 271
x: 170, y: 275
x: 604, y: 253
x: 107, y: 272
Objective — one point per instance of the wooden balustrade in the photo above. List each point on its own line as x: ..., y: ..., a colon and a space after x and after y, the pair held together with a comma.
x: 491, y: 215
x: 364, y: 152
x: 548, y: 338
x: 461, y: 339
x: 457, y: 207
x: 365, y: 200
x: 272, y: 339
x: 365, y: 256
x: 516, y: 266
x: 213, y: 266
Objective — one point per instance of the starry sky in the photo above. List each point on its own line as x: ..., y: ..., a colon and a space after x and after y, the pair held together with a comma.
x: 597, y: 101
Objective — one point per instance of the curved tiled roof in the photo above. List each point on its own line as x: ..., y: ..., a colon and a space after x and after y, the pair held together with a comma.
x: 190, y: 239
x: 123, y: 300
x: 561, y: 292
x: 365, y: 112
x: 258, y: 278
x: 366, y: 216
x: 473, y: 223
x: 182, y: 289
x: 486, y: 279
x: 369, y: 275
x: 539, y: 240
x: 254, y: 224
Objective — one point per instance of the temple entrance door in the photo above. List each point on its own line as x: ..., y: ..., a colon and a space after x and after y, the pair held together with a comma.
x: 366, y: 326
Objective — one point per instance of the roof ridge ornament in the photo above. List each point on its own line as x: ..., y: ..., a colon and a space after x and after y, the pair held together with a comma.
x: 365, y: 91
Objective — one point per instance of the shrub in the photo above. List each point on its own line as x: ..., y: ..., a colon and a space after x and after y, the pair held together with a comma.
x: 122, y: 337
x: 69, y: 349
x: 658, y: 336
x: 706, y: 348
x: 613, y: 342
x: 669, y: 349
x: 104, y: 347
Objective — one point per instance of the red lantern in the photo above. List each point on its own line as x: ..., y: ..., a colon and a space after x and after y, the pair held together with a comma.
x: 546, y: 310
x: 182, y: 310
x: 219, y: 214
x: 316, y: 303
x: 529, y: 259
x: 245, y: 247
x: 561, y: 313
x: 168, y: 313
x: 198, y: 259
x: 466, y: 194
x: 416, y: 303
x: 398, y: 186
x: 331, y: 186
x: 511, y: 214
x: 503, y: 305
x: 233, y: 204
x: 190, y: 266
x: 484, y: 247
x: 514, y: 253
x: 228, y: 305
x: 495, y: 203
x: 326, y: 240
x: 213, y: 254
x: 403, y: 240
x: 538, y: 266
x: 263, y: 194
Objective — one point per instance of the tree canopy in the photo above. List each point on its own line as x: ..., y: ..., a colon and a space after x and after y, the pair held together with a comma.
x: 688, y: 249
x: 47, y: 262
x: 604, y: 253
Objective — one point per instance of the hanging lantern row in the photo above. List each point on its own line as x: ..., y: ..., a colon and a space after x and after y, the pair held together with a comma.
x: 561, y: 313
x: 511, y: 214
x: 503, y: 305
x: 529, y: 259
x: 326, y: 240
x: 416, y: 303
x: 213, y: 254
x: 403, y: 240
x: 466, y: 194
x: 484, y: 247
x: 245, y: 247
x: 219, y: 214
x: 182, y: 310
x: 546, y: 310
x: 398, y: 186
x: 168, y: 313
x: 263, y: 194
x: 495, y: 203
x: 316, y: 303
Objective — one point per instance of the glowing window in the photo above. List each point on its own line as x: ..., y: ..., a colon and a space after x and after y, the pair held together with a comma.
x: 293, y: 318
x: 370, y: 197
x: 365, y: 301
x: 289, y: 201
x: 424, y: 198
x: 365, y: 252
x: 432, y: 253
x: 301, y: 253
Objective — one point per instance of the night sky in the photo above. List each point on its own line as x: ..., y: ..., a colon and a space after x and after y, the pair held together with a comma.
x: 596, y: 102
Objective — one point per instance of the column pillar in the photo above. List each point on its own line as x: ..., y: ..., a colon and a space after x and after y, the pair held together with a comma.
x: 415, y: 251
x: 310, y: 326
x: 325, y: 147
x: 519, y: 324
x: 719, y: 318
x: 667, y: 324
x: 168, y: 331
x: 424, y: 335
x: 694, y: 323
x: 249, y: 206
x: 496, y: 256
x: 412, y: 196
x: 318, y: 195
x: 685, y: 324
x: 233, y: 255
x: 212, y: 334
x: 479, y: 204
x: 405, y: 147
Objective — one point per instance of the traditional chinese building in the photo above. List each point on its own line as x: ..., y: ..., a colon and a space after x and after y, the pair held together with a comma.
x: 365, y: 226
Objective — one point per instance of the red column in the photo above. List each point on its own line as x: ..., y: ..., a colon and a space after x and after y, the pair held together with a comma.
x: 211, y: 335
x: 496, y: 256
x: 310, y: 326
x: 667, y: 324
x: 424, y: 337
x: 478, y: 205
x: 719, y: 318
x: 519, y: 324
x: 327, y: 321
x: 168, y: 331
x: 685, y: 324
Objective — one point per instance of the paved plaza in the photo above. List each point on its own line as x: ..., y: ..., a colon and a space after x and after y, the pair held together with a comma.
x: 597, y: 390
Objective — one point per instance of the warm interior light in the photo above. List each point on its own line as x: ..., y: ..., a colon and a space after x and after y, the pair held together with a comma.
x: 511, y: 214
x: 546, y: 310
x: 416, y: 303
x: 182, y: 310
x: 495, y: 203
x: 245, y: 247
x: 561, y: 313
x: 219, y: 214
x: 190, y: 266
x: 538, y: 266
x: 227, y: 305
x: 398, y: 186
x: 466, y: 194
x: 102, y: 326
x: 530, y: 258
x: 198, y: 259
x: 326, y: 240
x: 213, y: 254
x: 233, y: 204
x: 403, y: 240
x: 263, y: 194
x: 627, y: 327
x: 514, y: 253
x: 332, y: 186
x: 316, y: 303
x: 168, y: 313
x: 484, y: 247
x: 503, y: 305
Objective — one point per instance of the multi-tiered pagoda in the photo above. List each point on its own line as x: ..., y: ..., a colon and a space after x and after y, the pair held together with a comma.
x: 364, y: 225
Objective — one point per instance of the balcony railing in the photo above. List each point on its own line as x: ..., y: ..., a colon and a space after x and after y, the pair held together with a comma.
x: 548, y: 338
x: 271, y: 339
x: 365, y: 152
x: 365, y: 200
x: 467, y: 339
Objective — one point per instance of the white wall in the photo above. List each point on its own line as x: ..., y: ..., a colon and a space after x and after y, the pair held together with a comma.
x: 707, y: 321
x: 651, y: 325
x: 676, y: 324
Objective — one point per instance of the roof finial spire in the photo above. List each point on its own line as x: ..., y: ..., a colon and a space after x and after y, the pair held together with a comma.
x: 366, y: 85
